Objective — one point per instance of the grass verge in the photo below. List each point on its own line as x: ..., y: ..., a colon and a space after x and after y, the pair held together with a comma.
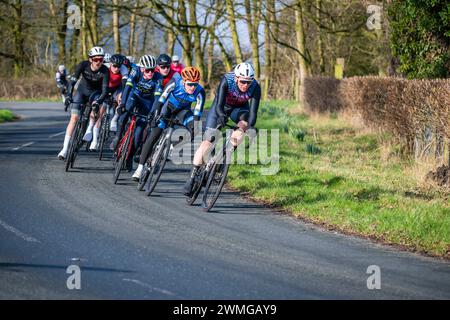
x: 339, y: 176
x: 6, y: 115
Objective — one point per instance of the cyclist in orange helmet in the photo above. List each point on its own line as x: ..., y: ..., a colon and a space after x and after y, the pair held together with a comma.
x: 177, y: 98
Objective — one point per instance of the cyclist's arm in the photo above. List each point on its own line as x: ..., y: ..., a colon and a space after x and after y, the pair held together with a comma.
x: 105, y: 84
x: 124, y: 72
x: 74, y: 78
x: 220, y: 95
x: 131, y: 81
x: 254, y: 105
x: 198, y: 109
x: 163, y: 97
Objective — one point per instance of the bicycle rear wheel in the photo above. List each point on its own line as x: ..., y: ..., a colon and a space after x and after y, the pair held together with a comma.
x: 214, y: 185
x: 121, y: 162
x: 158, y: 165
x: 104, y: 135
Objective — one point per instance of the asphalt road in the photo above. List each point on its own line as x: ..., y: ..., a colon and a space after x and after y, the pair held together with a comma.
x: 129, y: 246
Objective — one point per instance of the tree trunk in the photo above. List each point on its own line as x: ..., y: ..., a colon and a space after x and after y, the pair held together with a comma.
x: 320, y: 54
x: 234, y: 34
x: 84, y: 37
x: 116, y: 31
x: 252, y: 14
x: 210, y: 60
x: 19, y: 52
x: 93, y: 23
x: 170, y: 33
x: 301, y: 46
x: 275, y: 31
x: 268, y: 54
x: 131, y: 40
x: 60, y: 27
x: 186, y: 41
x: 199, y: 56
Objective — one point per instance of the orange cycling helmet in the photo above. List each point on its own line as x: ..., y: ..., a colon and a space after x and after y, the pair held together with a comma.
x: 190, y: 74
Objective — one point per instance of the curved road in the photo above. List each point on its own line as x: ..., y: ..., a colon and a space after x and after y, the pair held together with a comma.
x: 129, y: 246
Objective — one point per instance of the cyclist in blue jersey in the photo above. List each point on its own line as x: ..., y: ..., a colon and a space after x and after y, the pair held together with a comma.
x: 177, y: 98
x: 143, y: 86
x: 237, y: 97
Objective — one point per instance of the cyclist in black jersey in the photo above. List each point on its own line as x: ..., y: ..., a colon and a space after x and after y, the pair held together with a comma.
x: 93, y: 87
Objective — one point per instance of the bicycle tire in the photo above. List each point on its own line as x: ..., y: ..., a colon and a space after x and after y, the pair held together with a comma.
x: 196, y: 188
x: 78, y: 144
x: 160, y: 162
x: 121, y: 162
x: 104, y: 135
x: 144, y: 177
x: 72, y: 144
x: 208, y: 202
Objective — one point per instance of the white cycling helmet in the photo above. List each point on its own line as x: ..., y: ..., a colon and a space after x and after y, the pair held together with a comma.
x: 147, y: 61
x: 61, y: 68
x: 244, y: 70
x: 96, y: 51
x: 175, y: 58
x: 107, y: 58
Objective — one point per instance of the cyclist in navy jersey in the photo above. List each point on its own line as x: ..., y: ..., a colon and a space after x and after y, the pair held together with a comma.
x: 143, y: 86
x: 237, y: 97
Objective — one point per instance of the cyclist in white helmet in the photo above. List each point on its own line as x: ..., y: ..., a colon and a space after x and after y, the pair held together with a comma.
x: 93, y: 87
x: 237, y: 98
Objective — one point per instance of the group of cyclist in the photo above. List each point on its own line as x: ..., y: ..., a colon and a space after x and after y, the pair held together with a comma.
x: 157, y: 89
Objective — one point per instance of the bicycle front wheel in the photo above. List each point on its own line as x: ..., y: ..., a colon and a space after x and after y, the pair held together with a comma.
x: 158, y: 162
x: 214, y: 185
x: 121, y: 162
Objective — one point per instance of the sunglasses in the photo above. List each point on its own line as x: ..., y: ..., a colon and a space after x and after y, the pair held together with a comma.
x: 192, y: 84
x: 97, y: 59
x: 149, y: 70
x: 247, y: 82
x: 116, y: 66
x: 164, y: 67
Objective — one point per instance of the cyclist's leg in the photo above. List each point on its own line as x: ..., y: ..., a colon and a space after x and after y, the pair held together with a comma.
x: 95, y: 127
x: 240, y: 117
x: 88, y: 134
x: 211, y: 134
x: 123, y: 119
x: 116, y: 96
x: 142, y: 106
x: 79, y: 99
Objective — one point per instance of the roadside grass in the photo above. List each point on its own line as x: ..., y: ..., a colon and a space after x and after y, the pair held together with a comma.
x: 6, y: 115
x: 336, y: 175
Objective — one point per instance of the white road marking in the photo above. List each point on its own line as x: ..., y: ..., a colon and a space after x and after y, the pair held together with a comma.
x: 57, y: 134
x: 148, y: 286
x: 22, y: 146
x: 18, y: 233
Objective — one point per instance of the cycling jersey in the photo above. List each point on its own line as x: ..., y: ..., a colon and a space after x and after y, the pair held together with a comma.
x: 228, y: 97
x: 91, y: 80
x: 167, y: 78
x: 177, y: 68
x: 119, y: 79
x: 61, y: 77
x: 175, y: 95
x: 146, y: 89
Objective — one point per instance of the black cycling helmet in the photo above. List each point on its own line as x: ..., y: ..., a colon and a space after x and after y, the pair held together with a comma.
x: 117, y: 59
x: 163, y: 60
